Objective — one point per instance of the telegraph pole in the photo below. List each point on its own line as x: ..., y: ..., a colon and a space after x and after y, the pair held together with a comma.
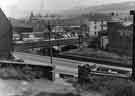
x: 50, y: 44
x: 132, y: 12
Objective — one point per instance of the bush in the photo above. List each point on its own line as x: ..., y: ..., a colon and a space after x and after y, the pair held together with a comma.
x: 120, y: 87
x: 110, y: 86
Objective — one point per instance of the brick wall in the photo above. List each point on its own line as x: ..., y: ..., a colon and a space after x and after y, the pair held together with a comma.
x: 120, y: 38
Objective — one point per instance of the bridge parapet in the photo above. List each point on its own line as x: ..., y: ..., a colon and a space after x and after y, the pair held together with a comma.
x: 24, y: 70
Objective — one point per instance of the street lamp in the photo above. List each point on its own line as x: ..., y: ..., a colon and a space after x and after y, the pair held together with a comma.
x: 132, y: 12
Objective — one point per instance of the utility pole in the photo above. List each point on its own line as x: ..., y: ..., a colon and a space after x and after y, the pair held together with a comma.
x: 50, y: 44
x: 132, y: 12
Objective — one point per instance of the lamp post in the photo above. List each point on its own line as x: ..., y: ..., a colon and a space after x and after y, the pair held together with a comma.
x: 132, y: 12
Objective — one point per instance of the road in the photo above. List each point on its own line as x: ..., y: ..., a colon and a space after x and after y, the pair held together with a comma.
x: 62, y: 65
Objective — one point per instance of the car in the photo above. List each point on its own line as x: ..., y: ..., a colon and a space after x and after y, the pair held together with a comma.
x: 16, y: 37
x: 17, y: 59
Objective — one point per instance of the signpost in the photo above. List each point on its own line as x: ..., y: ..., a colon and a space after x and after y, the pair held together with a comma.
x: 132, y: 12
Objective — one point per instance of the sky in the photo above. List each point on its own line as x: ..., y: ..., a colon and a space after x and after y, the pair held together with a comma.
x: 13, y: 7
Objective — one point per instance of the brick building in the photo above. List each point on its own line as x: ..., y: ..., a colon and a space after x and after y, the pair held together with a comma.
x: 120, y: 37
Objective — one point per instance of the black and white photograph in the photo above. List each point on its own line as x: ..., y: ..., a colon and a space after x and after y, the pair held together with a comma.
x: 67, y: 47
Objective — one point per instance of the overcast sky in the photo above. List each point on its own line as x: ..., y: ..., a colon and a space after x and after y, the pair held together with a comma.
x: 10, y: 6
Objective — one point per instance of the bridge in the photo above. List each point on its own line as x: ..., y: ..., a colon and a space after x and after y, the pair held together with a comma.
x: 24, y: 45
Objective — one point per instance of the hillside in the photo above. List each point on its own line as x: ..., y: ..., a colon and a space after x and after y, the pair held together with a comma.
x: 123, y: 8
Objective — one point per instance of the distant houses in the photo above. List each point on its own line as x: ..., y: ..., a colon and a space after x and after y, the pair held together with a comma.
x: 113, y: 34
x: 93, y: 23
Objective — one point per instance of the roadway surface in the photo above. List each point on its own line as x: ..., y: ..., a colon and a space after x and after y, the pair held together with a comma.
x: 62, y: 65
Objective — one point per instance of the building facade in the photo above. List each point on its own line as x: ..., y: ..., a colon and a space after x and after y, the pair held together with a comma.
x: 97, y: 26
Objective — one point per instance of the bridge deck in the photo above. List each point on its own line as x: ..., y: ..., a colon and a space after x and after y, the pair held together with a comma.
x: 44, y: 43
